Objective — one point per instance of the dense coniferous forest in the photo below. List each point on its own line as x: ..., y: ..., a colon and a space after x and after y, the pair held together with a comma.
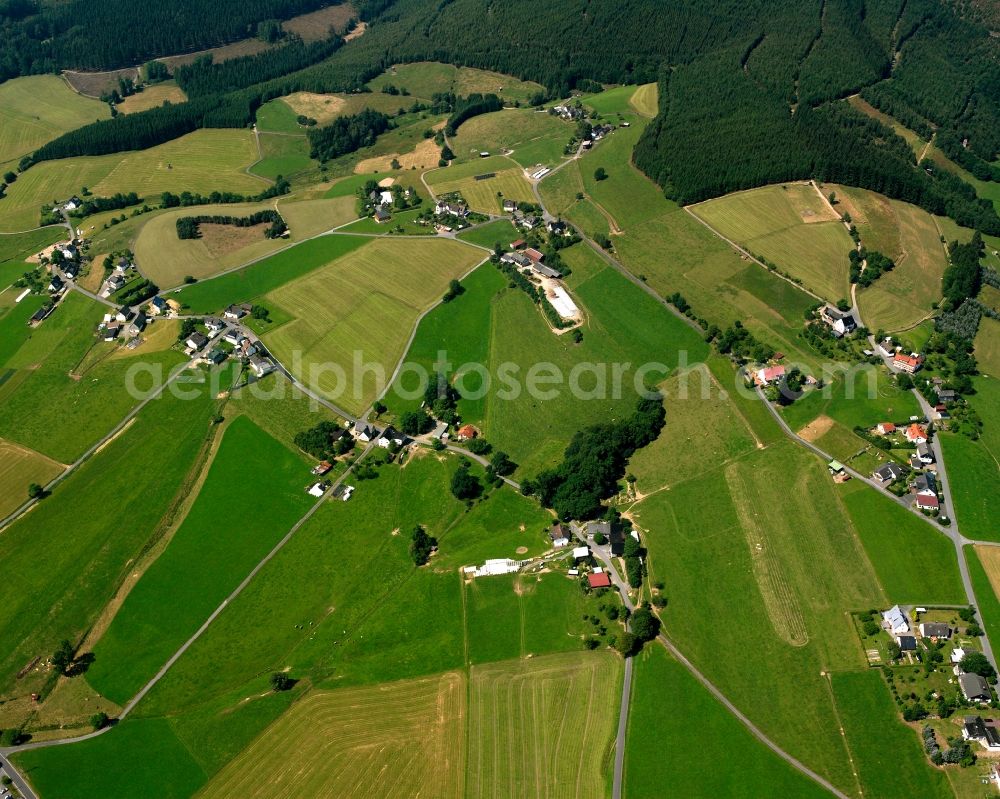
x: 347, y: 134
x: 40, y: 37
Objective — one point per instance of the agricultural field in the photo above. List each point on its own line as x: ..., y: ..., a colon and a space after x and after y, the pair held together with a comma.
x: 984, y: 569
x: 487, y: 235
x: 203, y: 161
x: 541, y: 135
x: 645, y: 100
x: 987, y: 347
x: 482, y: 195
x: 424, y: 78
x: 282, y: 155
x: 261, y: 277
x: 66, y: 558
x: 403, y: 738
x: 152, y: 97
x: 910, y: 237
x: 793, y: 590
x: 551, y: 717
x: 790, y: 226
x: 363, y: 304
x: 65, y: 392
x: 204, y: 559
x: 670, y: 709
x: 37, y: 109
x: 19, y: 468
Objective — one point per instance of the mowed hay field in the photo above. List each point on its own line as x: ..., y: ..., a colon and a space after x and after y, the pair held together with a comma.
x: 204, y: 161
x: 19, y: 467
x: 397, y: 739
x: 166, y: 259
x: 481, y: 195
x: 424, y: 78
x: 152, y: 97
x: 645, y: 100
x: 39, y: 108
x: 367, y: 303
x: 988, y: 346
x: 910, y: 237
x: 791, y: 226
x: 512, y: 129
x: 542, y: 727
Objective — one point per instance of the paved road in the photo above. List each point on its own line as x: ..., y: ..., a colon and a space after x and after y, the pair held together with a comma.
x: 19, y: 782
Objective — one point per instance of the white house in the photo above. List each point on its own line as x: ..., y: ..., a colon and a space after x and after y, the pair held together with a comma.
x: 317, y: 489
x: 579, y: 553
x: 983, y: 733
x: 498, y: 566
x: 390, y: 436
x: 260, y: 365
x: 894, y: 620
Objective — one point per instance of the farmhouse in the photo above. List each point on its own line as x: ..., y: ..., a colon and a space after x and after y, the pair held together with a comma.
x: 908, y: 363
x: 363, y: 431
x: 509, y: 206
x: 894, y: 620
x: 389, y: 437
x: 261, y: 365
x: 559, y: 535
x: 886, y: 429
x: 214, y: 325
x: 55, y: 285
x: 235, y: 312
x: 888, y: 474
x: 138, y: 324
x: 466, y: 431
x: 974, y: 688
x: 916, y: 434
x: 451, y: 209
x: 381, y: 216
x: 535, y: 256
x: 768, y: 375
x: 983, y: 733
x: 935, y: 629
x: 599, y: 580
x: 840, y: 322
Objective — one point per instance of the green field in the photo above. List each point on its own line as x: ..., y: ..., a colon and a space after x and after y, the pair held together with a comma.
x: 533, y: 136
x: 742, y: 526
x: 670, y: 710
x: 277, y: 116
x: 542, y: 727
x: 220, y: 540
x: 66, y: 558
x: 211, y: 296
x: 403, y: 739
x: 914, y: 562
x: 203, y: 161
x: 910, y: 237
x: 490, y: 233
x: 365, y: 303
x: 988, y: 347
x: 887, y: 754
x: 282, y: 155
x: 791, y: 226
x: 481, y: 195
x: 425, y: 78
x: 19, y: 468
x: 986, y: 585
x: 39, y: 108
x: 167, y: 260
x: 65, y: 393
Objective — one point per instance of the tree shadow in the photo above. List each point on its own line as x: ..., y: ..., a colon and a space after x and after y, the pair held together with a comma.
x: 80, y: 664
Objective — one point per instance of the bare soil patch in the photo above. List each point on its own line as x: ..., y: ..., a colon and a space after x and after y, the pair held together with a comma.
x: 221, y: 240
x: 817, y: 428
x: 94, y: 84
x: 219, y: 54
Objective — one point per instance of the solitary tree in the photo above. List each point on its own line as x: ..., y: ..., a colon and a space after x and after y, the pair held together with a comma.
x: 465, y: 485
x: 645, y: 625
x: 62, y: 659
x: 281, y: 681
x: 627, y: 644
x: 600, y: 173
x: 421, y: 545
x: 99, y: 720
x: 976, y: 663
x: 35, y: 491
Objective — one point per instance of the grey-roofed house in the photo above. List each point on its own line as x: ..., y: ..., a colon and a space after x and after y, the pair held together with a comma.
x: 924, y: 453
x: 888, y: 473
x: 907, y: 643
x: 974, y: 688
x: 363, y: 431
x: 935, y: 629
x: 547, y: 271
x: 925, y: 484
x: 559, y: 535
x: 975, y: 729
x: 196, y: 341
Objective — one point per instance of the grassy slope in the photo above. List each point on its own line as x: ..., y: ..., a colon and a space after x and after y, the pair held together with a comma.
x: 39, y: 108
x: 65, y: 396
x: 205, y: 161
x: 65, y: 559
x: 540, y: 135
x: 670, y: 711
x: 19, y: 468
x: 424, y: 78
x: 227, y: 530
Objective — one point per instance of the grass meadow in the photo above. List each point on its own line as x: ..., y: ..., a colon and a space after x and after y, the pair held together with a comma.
x: 282, y: 155
x: 364, y: 302
x: 910, y: 237
x: 423, y: 79
x: 887, y: 754
x: 65, y: 392
x: 67, y: 557
x: 551, y: 717
x: 984, y: 569
x: 404, y: 738
x: 37, y: 109
x: 257, y: 279
x: 744, y: 526
x: 791, y: 226
x: 487, y: 235
x: 206, y: 160
x: 482, y: 195
x: 670, y: 709
x: 539, y: 134
x: 19, y: 468
x: 219, y: 541
x: 988, y: 347
x: 152, y: 97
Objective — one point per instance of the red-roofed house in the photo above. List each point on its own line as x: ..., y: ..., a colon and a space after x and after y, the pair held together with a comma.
x: 908, y: 363
x: 518, y: 244
x: 535, y: 255
x: 915, y: 434
x: 886, y: 428
x: 927, y: 502
x: 467, y: 431
x: 769, y: 374
x: 599, y: 580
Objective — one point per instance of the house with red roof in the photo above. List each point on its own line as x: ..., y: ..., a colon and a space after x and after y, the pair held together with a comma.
x: 886, y: 429
x: 927, y: 502
x: 536, y: 256
x: 916, y: 434
x: 467, y: 431
x: 908, y: 363
x: 768, y: 375
x: 599, y: 580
